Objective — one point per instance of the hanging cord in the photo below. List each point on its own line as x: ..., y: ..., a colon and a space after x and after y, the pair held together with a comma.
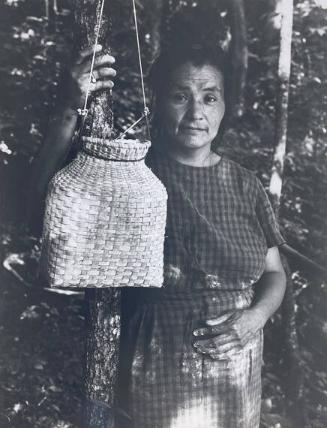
x: 146, y: 110
x: 84, y: 111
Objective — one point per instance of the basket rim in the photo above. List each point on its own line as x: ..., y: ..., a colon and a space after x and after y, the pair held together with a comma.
x: 118, y: 142
x: 116, y: 149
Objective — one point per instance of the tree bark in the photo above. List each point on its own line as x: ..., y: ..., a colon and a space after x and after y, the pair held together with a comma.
x: 294, y: 387
x: 103, y: 319
x: 284, y: 70
x: 99, y: 121
x: 102, y: 356
x: 294, y: 382
x: 239, y: 55
x: 46, y: 8
x: 55, y: 7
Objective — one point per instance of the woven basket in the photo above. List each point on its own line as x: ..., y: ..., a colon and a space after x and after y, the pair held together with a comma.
x: 105, y: 219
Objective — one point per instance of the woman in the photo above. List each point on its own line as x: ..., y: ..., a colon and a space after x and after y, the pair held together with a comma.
x: 195, y: 346
x: 191, y: 351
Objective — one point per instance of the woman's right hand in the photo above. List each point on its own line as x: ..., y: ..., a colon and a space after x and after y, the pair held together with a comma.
x: 79, y: 76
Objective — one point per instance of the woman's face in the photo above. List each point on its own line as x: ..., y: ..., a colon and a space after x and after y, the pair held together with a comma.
x: 193, y: 106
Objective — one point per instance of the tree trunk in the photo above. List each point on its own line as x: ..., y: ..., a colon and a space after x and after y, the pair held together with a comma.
x: 294, y: 386
x: 103, y: 319
x: 102, y: 356
x: 46, y: 8
x: 55, y: 7
x: 293, y: 362
x: 155, y: 29
x: 239, y: 55
x: 284, y: 69
x: 99, y: 121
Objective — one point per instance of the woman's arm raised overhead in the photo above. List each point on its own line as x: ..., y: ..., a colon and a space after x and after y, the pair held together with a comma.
x: 64, y: 119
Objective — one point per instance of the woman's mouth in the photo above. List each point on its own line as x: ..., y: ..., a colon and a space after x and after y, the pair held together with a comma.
x: 192, y: 129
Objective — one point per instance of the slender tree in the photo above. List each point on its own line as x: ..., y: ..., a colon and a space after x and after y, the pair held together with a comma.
x: 284, y: 70
x: 103, y: 319
x: 46, y: 8
x: 156, y: 26
x: 294, y: 385
x: 239, y: 54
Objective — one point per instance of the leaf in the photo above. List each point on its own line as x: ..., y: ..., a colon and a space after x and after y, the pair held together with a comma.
x: 55, y: 388
x: 18, y: 407
x: 38, y: 366
x: 30, y: 313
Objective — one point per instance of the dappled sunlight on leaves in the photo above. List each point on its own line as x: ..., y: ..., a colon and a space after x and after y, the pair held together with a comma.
x: 43, y: 333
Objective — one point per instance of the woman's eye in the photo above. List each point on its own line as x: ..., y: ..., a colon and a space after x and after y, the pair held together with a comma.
x: 179, y: 97
x: 210, y: 99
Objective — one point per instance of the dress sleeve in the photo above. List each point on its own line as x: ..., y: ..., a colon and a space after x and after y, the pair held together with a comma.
x: 267, y: 218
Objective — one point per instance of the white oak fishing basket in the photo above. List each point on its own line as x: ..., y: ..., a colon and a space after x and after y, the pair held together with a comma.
x: 105, y: 219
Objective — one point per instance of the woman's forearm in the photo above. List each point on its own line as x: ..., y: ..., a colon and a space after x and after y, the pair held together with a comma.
x: 235, y: 328
x: 54, y: 150
x: 71, y: 96
x: 50, y: 158
x: 269, y: 295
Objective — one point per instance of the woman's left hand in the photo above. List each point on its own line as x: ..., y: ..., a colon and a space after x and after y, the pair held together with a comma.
x: 226, y: 335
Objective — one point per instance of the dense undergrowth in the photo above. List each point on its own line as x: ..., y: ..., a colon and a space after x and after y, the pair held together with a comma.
x: 41, y: 333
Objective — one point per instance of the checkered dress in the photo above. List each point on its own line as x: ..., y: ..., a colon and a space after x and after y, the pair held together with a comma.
x: 219, y: 226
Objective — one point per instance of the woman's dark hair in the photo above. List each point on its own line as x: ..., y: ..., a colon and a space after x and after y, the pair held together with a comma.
x: 197, y: 54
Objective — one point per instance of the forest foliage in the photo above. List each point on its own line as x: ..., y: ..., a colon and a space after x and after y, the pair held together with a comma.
x: 35, y: 52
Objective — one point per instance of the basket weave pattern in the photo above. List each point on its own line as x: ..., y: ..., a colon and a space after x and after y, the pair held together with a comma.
x: 105, y: 219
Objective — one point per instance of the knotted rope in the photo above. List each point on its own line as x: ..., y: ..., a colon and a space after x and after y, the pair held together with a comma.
x: 146, y: 111
x: 84, y: 111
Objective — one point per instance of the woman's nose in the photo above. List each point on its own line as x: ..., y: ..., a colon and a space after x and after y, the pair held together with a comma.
x: 195, y: 110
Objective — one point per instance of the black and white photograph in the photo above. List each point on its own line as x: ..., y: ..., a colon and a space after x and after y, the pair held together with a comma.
x: 163, y: 199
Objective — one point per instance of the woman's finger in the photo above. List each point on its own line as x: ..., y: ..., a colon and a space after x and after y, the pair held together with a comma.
x: 215, y: 342
x: 219, y: 320
x: 226, y: 319
x: 85, y: 53
x: 219, y: 354
x: 103, y: 60
x: 214, y: 330
x: 223, y: 339
x: 219, y: 325
x: 203, y: 350
x: 206, y: 343
x: 101, y: 85
x: 224, y: 356
x: 104, y: 72
x: 223, y: 349
x: 100, y: 61
x: 202, y: 332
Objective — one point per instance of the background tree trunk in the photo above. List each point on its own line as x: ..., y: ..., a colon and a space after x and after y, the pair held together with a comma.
x: 294, y: 383
x: 55, y: 7
x: 46, y: 8
x: 284, y: 69
x: 156, y: 27
x: 293, y: 362
x: 103, y: 319
x: 239, y: 55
